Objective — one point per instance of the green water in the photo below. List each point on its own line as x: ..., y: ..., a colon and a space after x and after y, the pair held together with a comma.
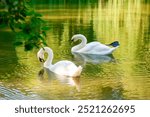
x: 124, y: 75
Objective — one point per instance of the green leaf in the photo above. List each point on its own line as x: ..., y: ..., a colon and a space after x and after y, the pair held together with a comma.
x: 11, y: 24
x: 45, y: 28
x: 23, y: 13
x: 29, y: 12
x: 43, y: 39
x: 21, y: 17
x: 37, y: 14
x: 44, y: 33
x: 12, y: 27
x: 28, y: 46
x: 18, y: 43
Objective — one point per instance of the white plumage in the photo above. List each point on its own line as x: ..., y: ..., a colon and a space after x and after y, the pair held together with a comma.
x: 92, y: 47
x: 64, y: 67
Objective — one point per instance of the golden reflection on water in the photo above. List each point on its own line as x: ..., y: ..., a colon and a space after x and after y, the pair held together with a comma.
x: 126, y: 75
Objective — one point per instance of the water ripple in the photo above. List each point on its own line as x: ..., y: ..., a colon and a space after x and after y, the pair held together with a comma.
x: 14, y: 94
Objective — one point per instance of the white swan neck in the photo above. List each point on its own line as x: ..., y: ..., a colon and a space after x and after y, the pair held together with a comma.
x: 81, y: 45
x: 84, y: 40
x: 49, y: 59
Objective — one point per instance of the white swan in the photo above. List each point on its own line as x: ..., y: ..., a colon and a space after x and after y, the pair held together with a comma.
x: 66, y: 68
x: 92, y: 47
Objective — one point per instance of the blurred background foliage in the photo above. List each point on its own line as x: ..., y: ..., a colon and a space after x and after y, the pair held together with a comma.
x: 28, y: 26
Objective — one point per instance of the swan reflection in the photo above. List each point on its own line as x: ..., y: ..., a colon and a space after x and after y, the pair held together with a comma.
x: 91, y: 58
x: 71, y: 81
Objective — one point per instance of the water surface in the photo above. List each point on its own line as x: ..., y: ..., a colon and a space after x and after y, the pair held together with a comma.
x: 123, y: 75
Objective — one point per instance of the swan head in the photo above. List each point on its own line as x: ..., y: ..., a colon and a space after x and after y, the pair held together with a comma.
x: 40, y: 55
x: 77, y: 37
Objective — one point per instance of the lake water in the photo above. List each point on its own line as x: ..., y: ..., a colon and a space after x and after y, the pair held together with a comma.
x: 123, y: 75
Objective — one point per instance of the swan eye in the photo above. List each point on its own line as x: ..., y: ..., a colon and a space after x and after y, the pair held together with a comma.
x: 41, y: 60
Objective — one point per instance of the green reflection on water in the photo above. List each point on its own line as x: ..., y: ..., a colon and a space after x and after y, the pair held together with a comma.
x: 126, y: 75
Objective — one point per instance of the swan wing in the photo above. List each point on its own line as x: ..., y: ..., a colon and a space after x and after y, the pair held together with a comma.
x: 101, y: 47
x: 88, y: 47
x: 96, y: 48
x: 64, y: 68
x: 101, y: 50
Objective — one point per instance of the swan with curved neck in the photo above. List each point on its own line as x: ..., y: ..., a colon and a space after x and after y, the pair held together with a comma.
x: 92, y: 47
x: 65, y: 67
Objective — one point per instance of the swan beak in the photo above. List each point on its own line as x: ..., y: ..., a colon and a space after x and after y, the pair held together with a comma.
x: 41, y: 60
x: 72, y: 40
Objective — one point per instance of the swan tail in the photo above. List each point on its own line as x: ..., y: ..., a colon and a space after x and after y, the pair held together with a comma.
x: 114, y: 44
x: 78, y: 72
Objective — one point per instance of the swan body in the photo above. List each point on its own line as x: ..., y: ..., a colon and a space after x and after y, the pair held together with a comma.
x: 64, y: 67
x: 92, y: 47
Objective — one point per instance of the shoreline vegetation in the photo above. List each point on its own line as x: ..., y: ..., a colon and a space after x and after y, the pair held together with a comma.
x: 27, y: 25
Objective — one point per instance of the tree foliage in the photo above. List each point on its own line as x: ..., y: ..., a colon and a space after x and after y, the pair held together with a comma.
x: 29, y: 27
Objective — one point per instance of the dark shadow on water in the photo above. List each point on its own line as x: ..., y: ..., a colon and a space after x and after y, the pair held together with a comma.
x: 8, y: 57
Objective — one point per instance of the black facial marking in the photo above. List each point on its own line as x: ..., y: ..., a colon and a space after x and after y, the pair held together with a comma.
x: 41, y: 60
x: 72, y: 39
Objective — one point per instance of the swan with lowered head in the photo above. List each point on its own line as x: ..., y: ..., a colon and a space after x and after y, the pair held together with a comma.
x: 92, y: 47
x: 66, y: 68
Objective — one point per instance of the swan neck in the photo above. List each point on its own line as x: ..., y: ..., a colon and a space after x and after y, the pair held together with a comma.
x: 81, y: 45
x: 49, y: 59
x: 83, y: 40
